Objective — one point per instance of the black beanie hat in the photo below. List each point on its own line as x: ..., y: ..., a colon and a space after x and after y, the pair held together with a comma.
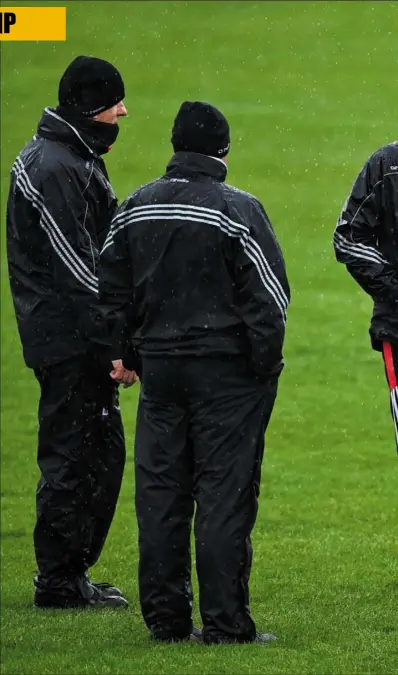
x: 90, y: 86
x: 199, y: 127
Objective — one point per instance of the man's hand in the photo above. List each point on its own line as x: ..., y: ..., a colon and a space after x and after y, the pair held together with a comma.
x: 123, y: 376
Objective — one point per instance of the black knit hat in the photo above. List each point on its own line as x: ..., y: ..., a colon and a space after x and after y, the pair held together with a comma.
x: 199, y: 127
x: 90, y: 86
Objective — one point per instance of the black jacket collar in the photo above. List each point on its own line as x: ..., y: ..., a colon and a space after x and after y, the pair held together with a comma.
x: 55, y: 128
x: 192, y: 164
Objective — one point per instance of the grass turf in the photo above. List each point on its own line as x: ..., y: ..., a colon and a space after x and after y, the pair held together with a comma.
x: 309, y: 89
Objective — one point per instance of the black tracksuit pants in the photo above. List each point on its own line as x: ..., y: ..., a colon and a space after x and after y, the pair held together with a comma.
x: 199, y: 440
x: 81, y: 456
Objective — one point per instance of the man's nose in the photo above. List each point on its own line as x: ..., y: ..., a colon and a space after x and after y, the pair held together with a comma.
x: 122, y: 110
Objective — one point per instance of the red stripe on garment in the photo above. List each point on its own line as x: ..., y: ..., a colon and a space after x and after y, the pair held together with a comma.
x: 389, y: 361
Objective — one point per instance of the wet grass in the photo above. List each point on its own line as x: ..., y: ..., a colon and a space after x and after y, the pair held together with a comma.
x: 309, y: 93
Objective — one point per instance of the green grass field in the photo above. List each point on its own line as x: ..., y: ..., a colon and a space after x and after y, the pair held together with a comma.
x: 310, y: 89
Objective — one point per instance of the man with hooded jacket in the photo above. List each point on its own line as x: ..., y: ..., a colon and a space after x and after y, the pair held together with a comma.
x: 192, y: 268
x: 59, y: 209
x: 365, y: 241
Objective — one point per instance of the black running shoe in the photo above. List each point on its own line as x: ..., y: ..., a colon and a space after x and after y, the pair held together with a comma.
x: 260, y: 638
x: 265, y: 638
x: 104, y: 587
x: 195, y: 636
x: 74, y: 594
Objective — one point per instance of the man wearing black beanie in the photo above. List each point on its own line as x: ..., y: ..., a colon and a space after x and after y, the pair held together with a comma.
x: 59, y: 209
x: 192, y: 268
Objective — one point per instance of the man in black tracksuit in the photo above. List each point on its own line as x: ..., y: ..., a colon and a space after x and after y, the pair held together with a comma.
x: 366, y: 241
x: 59, y: 210
x: 191, y: 267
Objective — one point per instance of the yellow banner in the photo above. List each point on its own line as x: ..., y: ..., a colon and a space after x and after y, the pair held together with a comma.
x: 33, y: 23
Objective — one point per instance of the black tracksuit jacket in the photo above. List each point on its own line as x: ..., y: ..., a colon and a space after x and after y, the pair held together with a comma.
x: 192, y: 266
x: 59, y: 209
x: 192, y: 272
x: 366, y: 239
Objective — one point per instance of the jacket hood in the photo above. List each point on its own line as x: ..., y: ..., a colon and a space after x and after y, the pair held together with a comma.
x: 86, y: 136
x: 193, y: 163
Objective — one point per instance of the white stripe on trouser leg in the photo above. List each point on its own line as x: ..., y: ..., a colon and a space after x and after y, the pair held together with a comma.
x: 394, y: 409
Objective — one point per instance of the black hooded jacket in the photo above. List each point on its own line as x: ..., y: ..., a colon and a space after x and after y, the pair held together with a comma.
x: 366, y: 239
x: 192, y: 266
x: 59, y: 209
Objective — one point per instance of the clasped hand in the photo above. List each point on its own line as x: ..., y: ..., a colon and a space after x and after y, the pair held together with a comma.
x: 121, y: 375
